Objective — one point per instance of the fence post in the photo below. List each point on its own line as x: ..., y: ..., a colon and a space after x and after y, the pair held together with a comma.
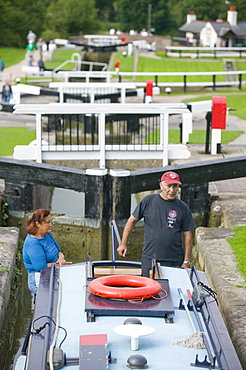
x: 101, y: 131
x: 214, y: 82
x: 39, y: 137
x: 156, y: 80
x: 208, y: 118
x: 164, y: 117
x: 240, y: 82
x: 185, y: 83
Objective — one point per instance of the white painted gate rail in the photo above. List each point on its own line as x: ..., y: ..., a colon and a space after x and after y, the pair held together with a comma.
x: 102, y: 151
x: 91, y: 89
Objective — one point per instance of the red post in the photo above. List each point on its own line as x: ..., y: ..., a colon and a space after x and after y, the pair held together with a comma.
x: 149, y: 91
x: 219, y: 112
x: 117, y: 64
x: 149, y: 87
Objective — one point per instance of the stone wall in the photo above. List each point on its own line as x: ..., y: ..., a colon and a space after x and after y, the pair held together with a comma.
x: 9, y: 237
x: 217, y: 259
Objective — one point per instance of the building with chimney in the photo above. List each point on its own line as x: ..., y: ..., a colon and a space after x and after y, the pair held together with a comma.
x: 214, y: 33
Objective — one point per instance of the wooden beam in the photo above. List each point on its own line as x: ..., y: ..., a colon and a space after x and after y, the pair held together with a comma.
x: 191, y: 173
x: 43, y: 174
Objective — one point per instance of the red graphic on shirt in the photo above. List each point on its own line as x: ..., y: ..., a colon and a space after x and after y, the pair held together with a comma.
x: 171, y: 218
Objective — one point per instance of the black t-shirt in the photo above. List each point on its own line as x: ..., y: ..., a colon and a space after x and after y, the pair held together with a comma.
x: 164, y: 222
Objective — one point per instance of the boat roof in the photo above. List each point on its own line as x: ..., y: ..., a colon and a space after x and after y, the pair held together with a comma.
x: 157, y: 348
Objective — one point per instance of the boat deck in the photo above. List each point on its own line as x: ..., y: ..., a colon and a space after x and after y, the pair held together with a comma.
x: 157, y: 348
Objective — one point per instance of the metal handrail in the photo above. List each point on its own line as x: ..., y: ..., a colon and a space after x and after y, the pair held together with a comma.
x: 103, y: 65
x: 115, y: 237
x: 211, y: 326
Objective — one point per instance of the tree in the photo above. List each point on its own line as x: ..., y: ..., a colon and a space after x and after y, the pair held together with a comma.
x: 132, y: 14
x: 106, y: 11
x: 17, y: 18
x: 135, y: 15
x: 72, y: 17
x: 161, y: 17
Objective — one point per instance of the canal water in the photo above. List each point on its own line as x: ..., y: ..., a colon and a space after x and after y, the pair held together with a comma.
x: 71, y: 203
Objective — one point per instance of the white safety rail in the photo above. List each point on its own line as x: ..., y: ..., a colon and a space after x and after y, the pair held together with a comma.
x: 92, y: 89
x: 79, y: 63
x: 20, y: 89
x: 202, y: 51
x: 88, y: 75
x: 101, y: 40
x: 33, y: 74
x: 102, y: 151
x: 238, y: 77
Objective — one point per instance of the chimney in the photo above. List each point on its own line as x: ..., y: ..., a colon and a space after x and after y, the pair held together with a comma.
x: 219, y: 19
x: 232, y: 15
x: 191, y: 17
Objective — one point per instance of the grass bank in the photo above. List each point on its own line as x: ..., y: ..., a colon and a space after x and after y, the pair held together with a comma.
x: 238, y: 246
x: 12, y: 136
x: 197, y: 137
x: 12, y: 56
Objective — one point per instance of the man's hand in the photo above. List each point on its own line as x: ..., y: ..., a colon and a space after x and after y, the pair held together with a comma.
x: 186, y: 265
x: 122, y: 249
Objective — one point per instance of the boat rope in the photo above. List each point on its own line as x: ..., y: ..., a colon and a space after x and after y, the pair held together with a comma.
x: 208, y: 290
x: 52, y: 346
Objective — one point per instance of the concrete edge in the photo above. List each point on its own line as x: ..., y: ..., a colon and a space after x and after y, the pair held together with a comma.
x: 218, y: 261
x: 9, y: 237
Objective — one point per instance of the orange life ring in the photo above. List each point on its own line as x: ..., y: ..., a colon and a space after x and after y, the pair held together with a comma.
x: 108, y: 287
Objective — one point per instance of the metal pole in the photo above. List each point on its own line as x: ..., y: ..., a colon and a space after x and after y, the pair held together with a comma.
x: 149, y: 16
x: 240, y: 82
x: 208, y: 119
x: 214, y: 82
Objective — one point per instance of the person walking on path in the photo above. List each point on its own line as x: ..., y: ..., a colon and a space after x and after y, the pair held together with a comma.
x: 52, y: 50
x: 7, y: 92
x: 30, y: 49
x: 2, y: 65
x: 39, y: 46
x: 31, y: 37
x: 167, y: 222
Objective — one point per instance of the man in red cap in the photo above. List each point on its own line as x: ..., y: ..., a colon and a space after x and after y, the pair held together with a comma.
x: 167, y: 227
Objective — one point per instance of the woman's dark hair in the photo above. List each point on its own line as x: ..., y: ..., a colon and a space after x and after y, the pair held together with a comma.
x: 38, y: 216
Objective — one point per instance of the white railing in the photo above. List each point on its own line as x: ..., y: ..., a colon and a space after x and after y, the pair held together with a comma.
x: 102, y: 152
x: 91, y: 65
x: 92, y: 89
x: 203, y: 51
x: 212, y: 82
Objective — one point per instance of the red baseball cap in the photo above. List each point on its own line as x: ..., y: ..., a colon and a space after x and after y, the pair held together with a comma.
x: 171, y: 178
